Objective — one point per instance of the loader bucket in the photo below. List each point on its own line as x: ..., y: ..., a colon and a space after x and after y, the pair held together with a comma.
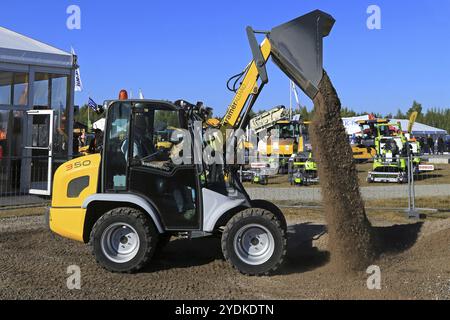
x: 297, y: 49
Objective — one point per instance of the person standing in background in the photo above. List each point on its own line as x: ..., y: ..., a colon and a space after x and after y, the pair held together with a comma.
x: 422, y: 145
x: 76, y: 144
x: 430, y: 143
x: 440, y: 145
x: 83, y: 139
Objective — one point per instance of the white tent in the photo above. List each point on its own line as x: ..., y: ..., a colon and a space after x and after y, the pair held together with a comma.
x: 351, y: 124
x: 420, y: 129
x: 17, y: 48
x: 35, y: 79
x: 100, y: 124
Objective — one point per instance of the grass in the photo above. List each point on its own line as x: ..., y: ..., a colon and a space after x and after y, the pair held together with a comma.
x: 378, y: 211
x: 315, y: 212
x: 440, y: 203
x: 22, y: 212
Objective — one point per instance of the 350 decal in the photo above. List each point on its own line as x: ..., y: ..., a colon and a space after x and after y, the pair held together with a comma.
x: 80, y: 164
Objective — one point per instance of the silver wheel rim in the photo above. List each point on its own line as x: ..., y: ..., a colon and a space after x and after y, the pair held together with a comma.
x: 120, y: 242
x: 254, y: 244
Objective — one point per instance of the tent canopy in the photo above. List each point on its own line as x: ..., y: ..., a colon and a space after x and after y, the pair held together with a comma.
x: 19, y: 49
x: 351, y: 124
x: 100, y: 124
x: 420, y: 129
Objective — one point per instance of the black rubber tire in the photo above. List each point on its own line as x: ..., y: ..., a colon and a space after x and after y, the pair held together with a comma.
x: 269, y: 221
x: 145, y: 229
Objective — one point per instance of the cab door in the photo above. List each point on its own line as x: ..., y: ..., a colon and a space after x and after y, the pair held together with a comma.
x: 172, y: 188
x: 136, y: 160
x: 174, y: 193
x: 41, y: 151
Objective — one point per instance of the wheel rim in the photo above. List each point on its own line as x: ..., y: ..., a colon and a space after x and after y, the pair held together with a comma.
x: 120, y: 242
x: 254, y: 244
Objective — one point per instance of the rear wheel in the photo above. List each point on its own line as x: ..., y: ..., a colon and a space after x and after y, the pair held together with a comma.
x: 254, y: 242
x: 123, y: 240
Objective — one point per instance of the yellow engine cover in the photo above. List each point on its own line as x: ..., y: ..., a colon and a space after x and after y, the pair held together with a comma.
x: 74, y: 181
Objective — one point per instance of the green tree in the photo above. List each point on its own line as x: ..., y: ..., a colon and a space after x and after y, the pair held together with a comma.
x: 347, y: 113
x: 82, y: 115
x: 416, y: 107
x: 400, y: 114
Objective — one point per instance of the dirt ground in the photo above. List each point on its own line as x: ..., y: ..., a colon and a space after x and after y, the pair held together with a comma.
x: 415, y: 264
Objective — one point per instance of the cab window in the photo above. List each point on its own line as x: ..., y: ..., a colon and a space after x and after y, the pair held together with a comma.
x: 152, y: 135
x: 115, y: 149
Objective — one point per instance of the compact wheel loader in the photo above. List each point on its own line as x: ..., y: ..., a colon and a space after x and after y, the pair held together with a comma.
x: 129, y: 200
x: 302, y: 169
x: 390, y: 165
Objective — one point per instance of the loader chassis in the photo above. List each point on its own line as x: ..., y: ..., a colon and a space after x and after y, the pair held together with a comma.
x: 143, y: 198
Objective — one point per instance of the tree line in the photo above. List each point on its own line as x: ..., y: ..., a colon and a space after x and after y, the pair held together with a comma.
x: 435, y: 117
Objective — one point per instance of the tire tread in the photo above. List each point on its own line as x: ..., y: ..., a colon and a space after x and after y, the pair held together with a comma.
x: 149, y: 233
x: 254, y: 212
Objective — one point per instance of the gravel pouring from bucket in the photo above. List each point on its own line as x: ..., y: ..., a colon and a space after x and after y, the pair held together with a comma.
x: 297, y: 50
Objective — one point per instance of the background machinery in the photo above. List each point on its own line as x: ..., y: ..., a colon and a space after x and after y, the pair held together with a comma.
x: 292, y: 136
x: 302, y: 169
x: 390, y: 163
x: 129, y: 200
x: 393, y: 149
x: 364, y: 147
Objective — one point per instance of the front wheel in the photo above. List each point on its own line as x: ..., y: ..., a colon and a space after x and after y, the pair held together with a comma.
x: 254, y: 242
x: 123, y: 240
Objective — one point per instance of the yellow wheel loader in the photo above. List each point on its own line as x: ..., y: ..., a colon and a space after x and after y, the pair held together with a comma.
x: 365, y: 150
x: 129, y: 200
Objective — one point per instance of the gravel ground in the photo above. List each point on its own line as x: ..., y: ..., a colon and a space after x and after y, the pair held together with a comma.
x: 415, y: 265
x: 313, y: 194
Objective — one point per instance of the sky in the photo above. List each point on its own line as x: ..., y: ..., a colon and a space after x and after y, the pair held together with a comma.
x: 188, y: 49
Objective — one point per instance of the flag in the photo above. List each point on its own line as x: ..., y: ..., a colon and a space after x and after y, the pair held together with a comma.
x: 141, y: 95
x: 92, y: 104
x: 78, y: 83
x: 412, y: 121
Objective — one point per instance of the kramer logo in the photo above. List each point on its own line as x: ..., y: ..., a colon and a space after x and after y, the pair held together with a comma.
x: 77, y: 165
x: 233, y: 105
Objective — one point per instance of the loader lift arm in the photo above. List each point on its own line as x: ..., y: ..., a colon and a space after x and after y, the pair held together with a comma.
x: 248, y: 91
x: 296, y: 48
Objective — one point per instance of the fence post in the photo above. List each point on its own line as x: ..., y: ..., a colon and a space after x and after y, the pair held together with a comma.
x: 412, y: 212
